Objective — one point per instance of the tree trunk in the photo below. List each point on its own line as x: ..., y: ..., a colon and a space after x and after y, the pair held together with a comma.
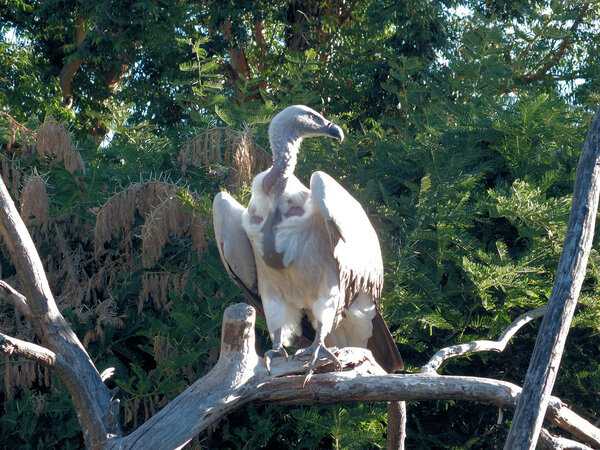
x: 547, y: 353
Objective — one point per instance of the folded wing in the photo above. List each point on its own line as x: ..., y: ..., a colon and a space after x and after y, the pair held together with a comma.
x: 356, y: 249
x: 235, y: 248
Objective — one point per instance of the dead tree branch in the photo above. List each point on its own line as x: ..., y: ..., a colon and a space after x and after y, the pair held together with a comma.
x: 39, y: 307
x: 547, y: 441
x: 547, y: 353
x: 10, y: 295
x: 84, y: 404
x: 240, y: 377
x: 482, y: 345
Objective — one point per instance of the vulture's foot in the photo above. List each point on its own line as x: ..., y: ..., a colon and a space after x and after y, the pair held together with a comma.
x: 276, y: 351
x: 313, y: 354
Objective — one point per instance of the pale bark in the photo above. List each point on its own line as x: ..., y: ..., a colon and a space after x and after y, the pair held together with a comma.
x: 481, y: 345
x: 547, y: 441
x: 9, y: 295
x: 39, y: 307
x: 240, y: 377
x: 547, y: 353
x: 89, y: 415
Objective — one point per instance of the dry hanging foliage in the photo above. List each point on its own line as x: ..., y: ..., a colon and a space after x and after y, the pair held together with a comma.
x: 106, y: 314
x: 156, y: 286
x: 151, y: 404
x: 249, y: 159
x: 34, y: 201
x: 236, y: 150
x: 53, y: 139
x: 18, y: 131
x: 11, y: 174
x: 169, y: 218
x: 205, y: 149
x: 18, y: 377
x: 163, y: 215
x: 67, y: 263
x: 117, y: 215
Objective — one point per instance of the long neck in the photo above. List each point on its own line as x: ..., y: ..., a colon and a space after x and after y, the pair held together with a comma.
x: 285, y: 156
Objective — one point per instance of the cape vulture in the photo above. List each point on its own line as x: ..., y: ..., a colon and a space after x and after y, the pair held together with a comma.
x: 306, y: 256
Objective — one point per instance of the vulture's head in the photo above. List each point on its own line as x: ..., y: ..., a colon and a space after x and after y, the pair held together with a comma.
x: 297, y: 122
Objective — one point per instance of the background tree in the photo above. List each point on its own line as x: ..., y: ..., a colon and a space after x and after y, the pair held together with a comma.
x: 464, y: 123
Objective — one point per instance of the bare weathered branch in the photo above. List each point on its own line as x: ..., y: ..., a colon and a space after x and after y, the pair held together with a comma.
x: 86, y: 408
x: 547, y: 441
x: 547, y: 353
x: 17, y: 347
x: 347, y: 386
x: 482, y: 345
x: 240, y: 377
x: 49, y: 324
x: 396, y: 425
x: 12, y: 296
x: 231, y: 383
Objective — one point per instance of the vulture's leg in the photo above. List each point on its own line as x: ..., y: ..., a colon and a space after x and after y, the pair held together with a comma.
x: 316, y: 351
x: 324, y: 312
x: 276, y: 351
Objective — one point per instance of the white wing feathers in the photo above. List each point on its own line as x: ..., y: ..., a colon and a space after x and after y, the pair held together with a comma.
x: 234, y: 247
x: 354, y: 241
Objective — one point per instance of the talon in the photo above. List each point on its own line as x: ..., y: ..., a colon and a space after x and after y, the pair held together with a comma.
x: 313, y: 354
x: 308, y: 376
x: 275, y: 352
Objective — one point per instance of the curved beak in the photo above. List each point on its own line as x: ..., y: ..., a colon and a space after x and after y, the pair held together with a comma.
x: 331, y: 129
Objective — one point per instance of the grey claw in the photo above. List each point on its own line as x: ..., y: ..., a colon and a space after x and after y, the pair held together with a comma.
x: 274, y: 353
x: 308, y: 376
x: 312, y: 356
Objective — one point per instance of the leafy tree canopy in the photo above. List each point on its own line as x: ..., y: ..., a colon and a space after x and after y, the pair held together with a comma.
x: 464, y: 122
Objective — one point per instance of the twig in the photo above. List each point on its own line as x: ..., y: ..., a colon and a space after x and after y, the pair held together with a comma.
x: 10, y: 295
x: 482, y: 345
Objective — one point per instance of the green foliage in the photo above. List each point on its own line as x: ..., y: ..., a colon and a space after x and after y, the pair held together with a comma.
x: 39, y: 420
x: 357, y: 427
x: 352, y: 426
x: 463, y: 134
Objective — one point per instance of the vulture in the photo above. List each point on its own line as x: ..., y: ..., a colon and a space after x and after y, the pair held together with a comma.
x: 308, y: 259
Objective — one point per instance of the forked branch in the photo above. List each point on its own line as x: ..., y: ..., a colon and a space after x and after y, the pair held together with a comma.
x: 84, y: 404
x: 240, y: 377
x: 93, y: 399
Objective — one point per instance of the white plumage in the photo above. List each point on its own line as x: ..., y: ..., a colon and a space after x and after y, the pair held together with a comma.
x: 306, y: 252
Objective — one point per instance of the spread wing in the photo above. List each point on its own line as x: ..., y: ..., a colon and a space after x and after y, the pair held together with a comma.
x: 354, y: 242
x: 235, y: 248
